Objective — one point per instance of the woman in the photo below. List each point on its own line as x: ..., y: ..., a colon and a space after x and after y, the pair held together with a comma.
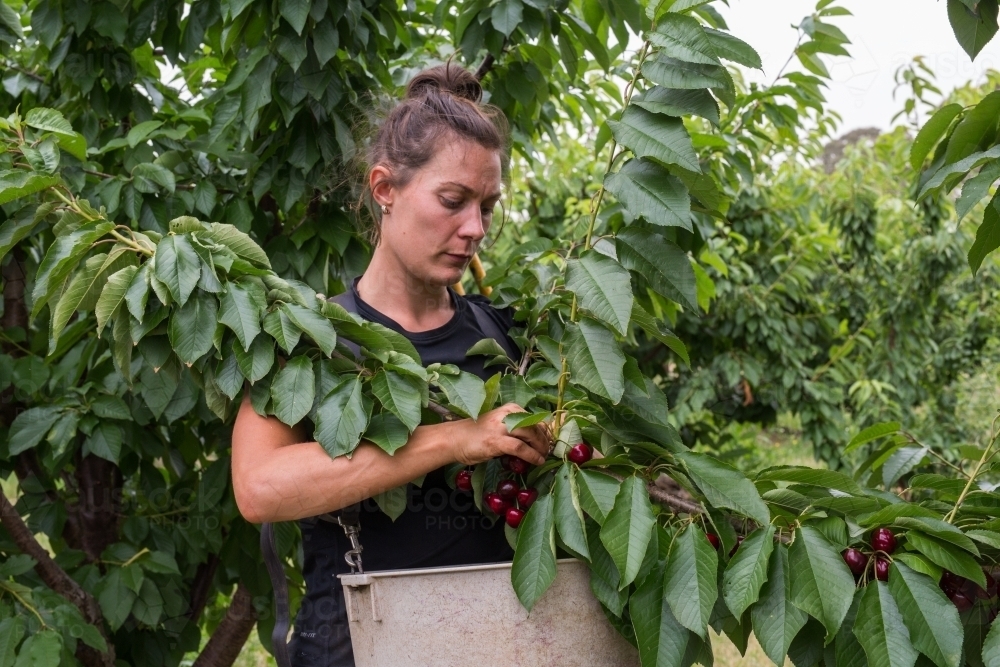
x: 435, y: 173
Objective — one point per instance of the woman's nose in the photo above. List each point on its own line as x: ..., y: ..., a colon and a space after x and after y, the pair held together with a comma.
x: 473, y: 225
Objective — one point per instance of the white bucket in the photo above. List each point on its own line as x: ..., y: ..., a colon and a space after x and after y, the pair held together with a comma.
x: 470, y: 617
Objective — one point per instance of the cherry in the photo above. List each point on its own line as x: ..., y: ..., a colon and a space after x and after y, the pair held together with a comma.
x: 855, y: 560
x: 960, y: 601
x: 881, y: 569
x: 508, y: 489
x: 463, y: 480
x: 514, y: 517
x: 991, y: 588
x: 580, y: 453
x: 525, y: 497
x: 883, y: 540
x: 739, y: 541
x: 714, y: 539
x: 518, y: 466
x: 496, y: 504
x: 951, y: 582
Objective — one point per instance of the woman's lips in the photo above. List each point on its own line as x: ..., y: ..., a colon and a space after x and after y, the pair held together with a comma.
x: 458, y: 258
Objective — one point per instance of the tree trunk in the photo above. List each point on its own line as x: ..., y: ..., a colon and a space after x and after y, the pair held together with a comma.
x: 229, y: 638
x: 98, y: 510
x: 201, y: 586
x: 60, y: 582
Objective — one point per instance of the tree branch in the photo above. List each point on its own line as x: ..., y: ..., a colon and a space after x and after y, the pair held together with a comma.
x: 201, y: 585
x: 57, y: 579
x: 227, y: 640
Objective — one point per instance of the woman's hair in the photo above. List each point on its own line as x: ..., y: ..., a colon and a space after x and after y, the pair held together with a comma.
x: 439, y: 101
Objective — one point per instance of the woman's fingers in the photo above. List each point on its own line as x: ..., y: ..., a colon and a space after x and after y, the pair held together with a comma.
x: 521, y: 449
x: 535, y: 437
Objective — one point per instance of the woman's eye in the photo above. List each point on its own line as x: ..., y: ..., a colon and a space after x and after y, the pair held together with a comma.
x: 449, y: 203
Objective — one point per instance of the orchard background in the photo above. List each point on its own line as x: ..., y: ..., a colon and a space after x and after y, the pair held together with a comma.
x: 701, y: 274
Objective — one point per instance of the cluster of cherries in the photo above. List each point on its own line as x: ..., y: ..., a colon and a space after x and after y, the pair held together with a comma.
x: 883, y: 543
x: 509, y: 500
x: 963, y: 592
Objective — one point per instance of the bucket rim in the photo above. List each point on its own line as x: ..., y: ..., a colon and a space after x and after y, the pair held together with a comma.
x: 366, y: 578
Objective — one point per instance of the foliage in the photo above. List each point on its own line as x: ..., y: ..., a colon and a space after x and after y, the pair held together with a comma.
x: 139, y: 318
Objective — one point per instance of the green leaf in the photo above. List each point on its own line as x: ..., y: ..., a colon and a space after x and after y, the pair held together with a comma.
x: 947, y: 556
x: 931, y: 618
x: 597, y: 493
x: 775, y: 619
x: 987, y: 236
x: 680, y: 103
x: 872, y: 433
x: 661, y: 639
x: 11, y: 632
x: 973, y: 190
x: 652, y: 327
x: 690, y: 585
x: 827, y: 479
x: 724, y: 486
x: 342, y: 417
x: 603, y: 288
x: 665, y: 266
x: 991, y: 646
x: 141, y: 131
x: 20, y: 183
x: 13, y: 230
x: 747, y: 571
x: 51, y: 120
x: 821, y: 584
x: 192, y: 327
x: 534, y: 566
x: 282, y: 329
x: 507, y: 15
x: 237, y: 241
x: 115, y: 598
x: 41, y: 649
x: 627, y: 529
x: 105, y: 442
x: 880, y: 630
x: 651, y: 135
x: 113, y: 295
x: 149, y: 177
x: 79, y: 285
x: 568, y: 513
x: 672, y: 73
x: 732, y: 48
x: 931, y: 133
x: 257, y: 362
x: 10, y: 20
x: 177, y: 266
x: 977, y: 127
x: 240, y: 312
x: 386, y: 431
x: 392, y: 502
x: 942, y: 530
x: 516, y: 420
x: 973, y: 28
x: 30, y: 426
x: 399, y: 394
x: 465, y: 391
x: 295, y: 12
x: 292, y: 390
x: 595, y: 360
x: 683, y: 38
x: 60, y: 259
x: 646, y: 189
x: 313, y: 325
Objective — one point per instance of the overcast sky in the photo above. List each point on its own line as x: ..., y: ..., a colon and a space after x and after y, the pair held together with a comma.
x: 885, y: 34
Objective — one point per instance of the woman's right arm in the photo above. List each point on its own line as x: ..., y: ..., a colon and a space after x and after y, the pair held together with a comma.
x: 278, y: 477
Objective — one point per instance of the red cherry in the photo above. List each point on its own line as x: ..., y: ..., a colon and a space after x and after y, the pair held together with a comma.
x: 463, y: 480
x: 580, y: 453
x: 505, y: 461
x: 518, y: 466
x: 508, y: 489
x: 514, y: 517
x: 991, y: 588
x: 883, y: 540
x: 960, y: 601
x: 525, y: 497
x: 951, y: 582
x: 739, y: 541
x: 855, y: 560
x: 881, y: 569
x: 714, y: 539
x: 496, y: 504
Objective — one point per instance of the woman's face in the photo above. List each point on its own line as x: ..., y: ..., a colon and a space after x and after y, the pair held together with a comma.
x: 438, y: 219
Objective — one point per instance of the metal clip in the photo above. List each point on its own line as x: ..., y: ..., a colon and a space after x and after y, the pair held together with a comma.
x: 353, y: 556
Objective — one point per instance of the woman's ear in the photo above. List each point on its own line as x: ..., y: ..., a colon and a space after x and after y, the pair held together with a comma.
x: 379, y: 182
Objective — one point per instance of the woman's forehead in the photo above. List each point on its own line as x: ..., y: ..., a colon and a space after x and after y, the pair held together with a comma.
x: 465, y: 164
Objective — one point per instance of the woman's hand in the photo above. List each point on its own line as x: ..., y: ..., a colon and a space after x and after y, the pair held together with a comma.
x: 487, y: 438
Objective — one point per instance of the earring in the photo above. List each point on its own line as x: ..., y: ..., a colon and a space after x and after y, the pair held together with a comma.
x: 385, y: 210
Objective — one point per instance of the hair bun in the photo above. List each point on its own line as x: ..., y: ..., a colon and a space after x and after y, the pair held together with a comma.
x: 447, y: 78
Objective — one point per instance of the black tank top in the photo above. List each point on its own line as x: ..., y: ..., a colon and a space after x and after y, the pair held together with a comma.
x: 440, y: 526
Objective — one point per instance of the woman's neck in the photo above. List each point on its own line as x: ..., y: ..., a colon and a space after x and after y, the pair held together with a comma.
x: 390, y: 288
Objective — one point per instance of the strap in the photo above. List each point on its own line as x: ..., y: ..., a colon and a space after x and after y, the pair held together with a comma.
x: 276, y: 572
x: 347, y: 302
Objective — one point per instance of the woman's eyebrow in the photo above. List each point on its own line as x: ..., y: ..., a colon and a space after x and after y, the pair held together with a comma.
x: 467, y: 190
